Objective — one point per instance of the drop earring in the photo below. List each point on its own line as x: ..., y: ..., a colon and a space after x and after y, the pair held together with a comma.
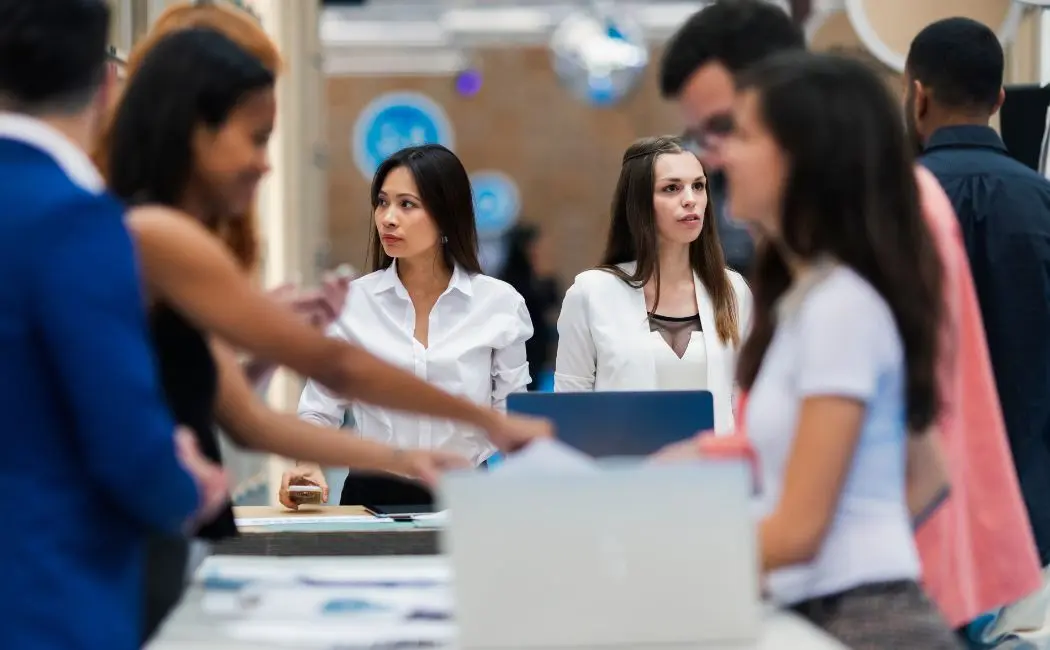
x: 444, y: 240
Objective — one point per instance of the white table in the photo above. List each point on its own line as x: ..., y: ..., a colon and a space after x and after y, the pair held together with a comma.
x: 192, y: 627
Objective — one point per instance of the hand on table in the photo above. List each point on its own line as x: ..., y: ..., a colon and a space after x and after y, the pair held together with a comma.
x: 211, y: 481
x: 427, y: 466
x: 306, y: 474
x: 512, y: 432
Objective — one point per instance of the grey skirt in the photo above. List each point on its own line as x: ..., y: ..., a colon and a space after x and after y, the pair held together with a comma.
x: 883, y: 616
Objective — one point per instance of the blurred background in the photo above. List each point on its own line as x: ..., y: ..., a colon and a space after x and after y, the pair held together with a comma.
x: 538, y: 98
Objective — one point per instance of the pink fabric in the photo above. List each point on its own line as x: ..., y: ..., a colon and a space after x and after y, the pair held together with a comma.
x: 977, y: 550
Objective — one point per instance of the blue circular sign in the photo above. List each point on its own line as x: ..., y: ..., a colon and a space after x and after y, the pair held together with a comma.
x: 492, y: 253
x: 496, y: 202
x: 395, y: 121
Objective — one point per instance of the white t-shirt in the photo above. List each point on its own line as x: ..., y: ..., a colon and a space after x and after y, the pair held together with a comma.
x: 839, y: 338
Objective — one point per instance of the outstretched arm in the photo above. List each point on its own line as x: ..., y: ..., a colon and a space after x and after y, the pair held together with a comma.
x: 190, y: 268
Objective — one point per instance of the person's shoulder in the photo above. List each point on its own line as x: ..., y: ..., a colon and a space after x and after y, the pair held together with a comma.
x: 845, y: 293
x: 157, y: 220
x: 494, y: 289
x: 737, y: 281
x: 367, y: 281
x: 597, y: 279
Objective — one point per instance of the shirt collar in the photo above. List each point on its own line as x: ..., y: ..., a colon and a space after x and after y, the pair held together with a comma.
x: 390, y: 281
x: 965, y: 136
x: 67, y: 155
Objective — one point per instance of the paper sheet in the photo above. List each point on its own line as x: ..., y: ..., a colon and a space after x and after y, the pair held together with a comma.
x: 258, y: 522
x: 309, y: 603
x: 434, y: 518
x: 364, y: 574
x: 547, y: 457
x: 345, y: 635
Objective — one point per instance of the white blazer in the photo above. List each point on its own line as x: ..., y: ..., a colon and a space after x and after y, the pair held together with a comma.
x: 604, y: 341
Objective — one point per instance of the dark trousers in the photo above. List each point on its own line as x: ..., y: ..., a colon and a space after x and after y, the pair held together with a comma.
x: 883, y: 616
x: 165, y: 579
x: 383, y: 490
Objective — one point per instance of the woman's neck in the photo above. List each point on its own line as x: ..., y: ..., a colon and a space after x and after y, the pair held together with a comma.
x: 424, y: 274
x: 194, y: 204
x: 673, y: 260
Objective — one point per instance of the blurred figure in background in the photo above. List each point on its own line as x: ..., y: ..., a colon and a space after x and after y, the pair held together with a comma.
x: 191, y: 133
x: 954, y: 76
x: 318, y: 306
x: 841, y: 363
x: 976, y: 547
x: 529, y: 268
x: 425, y: 307
x: 87, y: 434
x: 662, y: 311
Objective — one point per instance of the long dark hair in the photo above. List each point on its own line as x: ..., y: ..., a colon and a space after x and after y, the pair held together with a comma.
x: 190, y: 78
x: 444, y: 188
x: 632, y: 235
x: 851, y: 194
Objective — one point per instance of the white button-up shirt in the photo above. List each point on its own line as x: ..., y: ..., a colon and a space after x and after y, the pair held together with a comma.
x: 478, y: 329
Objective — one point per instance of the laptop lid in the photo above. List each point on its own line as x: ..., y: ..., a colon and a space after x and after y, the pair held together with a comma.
x: 616, y: 423
x: 632, y: 554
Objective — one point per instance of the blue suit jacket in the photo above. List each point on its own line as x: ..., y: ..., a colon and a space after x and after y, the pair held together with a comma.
x: 87, y: 464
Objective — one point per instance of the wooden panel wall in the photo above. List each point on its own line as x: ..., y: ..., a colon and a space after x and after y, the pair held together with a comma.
x: 563, y: 154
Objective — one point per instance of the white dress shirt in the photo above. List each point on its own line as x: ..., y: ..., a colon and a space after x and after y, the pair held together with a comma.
x: 604, y: 341
x: 476, y: 349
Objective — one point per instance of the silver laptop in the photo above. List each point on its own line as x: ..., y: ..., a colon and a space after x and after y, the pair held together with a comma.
x: 638, y: 555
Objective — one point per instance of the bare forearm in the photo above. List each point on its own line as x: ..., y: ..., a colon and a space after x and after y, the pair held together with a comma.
x: 366, y: 378
x: 288, y: 436
x: 782, y: 545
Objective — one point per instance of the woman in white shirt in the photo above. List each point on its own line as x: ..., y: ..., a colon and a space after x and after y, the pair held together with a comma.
x: 427, y: 308
x: 840, y: 363
x: 661, y: 311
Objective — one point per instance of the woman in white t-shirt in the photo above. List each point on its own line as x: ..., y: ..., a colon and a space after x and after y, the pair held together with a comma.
x: 840, y: 361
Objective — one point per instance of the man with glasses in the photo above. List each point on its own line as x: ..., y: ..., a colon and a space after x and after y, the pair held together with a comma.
x: 976, y: 548
x: 697, y: 71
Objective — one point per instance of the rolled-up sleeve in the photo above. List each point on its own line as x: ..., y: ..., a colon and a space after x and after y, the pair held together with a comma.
x: 576, y: 361
x: 319, y: 405
x: 510, y: 365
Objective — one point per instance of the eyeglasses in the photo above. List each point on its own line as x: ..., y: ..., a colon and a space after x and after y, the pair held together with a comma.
x: 709, y: 134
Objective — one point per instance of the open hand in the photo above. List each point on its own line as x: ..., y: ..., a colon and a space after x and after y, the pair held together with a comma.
x: 427, y: 466
x: 512, y: 432
x: 211, y: 480
x: 306, y: 474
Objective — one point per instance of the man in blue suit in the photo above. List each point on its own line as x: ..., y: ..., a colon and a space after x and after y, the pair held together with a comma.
x: 90, y: 459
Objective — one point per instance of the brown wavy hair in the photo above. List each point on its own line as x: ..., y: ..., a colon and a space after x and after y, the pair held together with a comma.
x: 632, y: 235
x: 241, y: 235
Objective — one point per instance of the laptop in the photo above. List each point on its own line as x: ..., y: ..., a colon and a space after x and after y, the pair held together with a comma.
x: 611, y: 423
x: 632, y: 555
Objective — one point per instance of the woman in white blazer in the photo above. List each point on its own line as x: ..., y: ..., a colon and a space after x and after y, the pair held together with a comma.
x: 661, y: 311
